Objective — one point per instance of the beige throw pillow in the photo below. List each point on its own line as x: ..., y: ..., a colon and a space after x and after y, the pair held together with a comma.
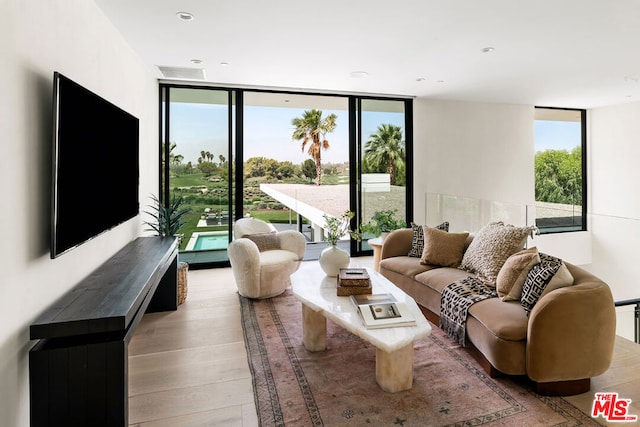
x: 514, y: 272
x: 265, y: 241
x: 417, y: 243
x: 491, y: 247
x: 442, y: 248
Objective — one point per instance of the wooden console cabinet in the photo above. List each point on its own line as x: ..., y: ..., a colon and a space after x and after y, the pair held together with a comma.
x: 78, y: 371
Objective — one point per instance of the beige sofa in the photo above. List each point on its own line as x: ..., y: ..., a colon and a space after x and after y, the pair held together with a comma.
x: 567, y: 338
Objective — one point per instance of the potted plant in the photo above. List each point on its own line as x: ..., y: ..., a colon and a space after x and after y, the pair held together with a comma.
x: 332, y: 259
x: 167, y: 220
x: 382, y: 223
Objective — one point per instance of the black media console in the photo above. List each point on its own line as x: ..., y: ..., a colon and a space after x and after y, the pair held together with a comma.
x: 78, y: 371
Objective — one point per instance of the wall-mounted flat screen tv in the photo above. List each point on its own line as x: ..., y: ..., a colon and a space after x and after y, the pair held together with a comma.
x: 95, y: 165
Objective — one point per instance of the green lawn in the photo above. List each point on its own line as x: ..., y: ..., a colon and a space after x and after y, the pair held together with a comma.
x: 190, y: 186
x: 194, y: 180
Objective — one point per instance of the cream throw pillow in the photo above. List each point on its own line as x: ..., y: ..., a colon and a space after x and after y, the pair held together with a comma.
x: 514, y: 272
x: 442, y: 248
x: 491, y: 247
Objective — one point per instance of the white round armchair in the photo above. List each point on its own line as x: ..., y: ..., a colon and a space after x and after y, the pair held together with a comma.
x: 263, y: 259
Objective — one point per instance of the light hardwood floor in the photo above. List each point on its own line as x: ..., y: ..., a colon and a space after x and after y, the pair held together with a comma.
x: 189, y: 367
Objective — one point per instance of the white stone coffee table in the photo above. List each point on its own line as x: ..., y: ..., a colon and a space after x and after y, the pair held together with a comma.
x: 394, y: 346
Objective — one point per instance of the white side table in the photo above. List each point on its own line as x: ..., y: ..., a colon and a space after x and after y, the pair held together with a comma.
x: 376, y: 245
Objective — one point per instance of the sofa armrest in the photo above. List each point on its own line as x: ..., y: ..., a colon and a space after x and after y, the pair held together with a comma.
x: 571, y: 331
x: 397, y: 243
x: 293, y: 241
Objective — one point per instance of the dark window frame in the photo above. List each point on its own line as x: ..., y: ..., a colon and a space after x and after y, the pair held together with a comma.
x: 237, y: 144
x: 583, y: 146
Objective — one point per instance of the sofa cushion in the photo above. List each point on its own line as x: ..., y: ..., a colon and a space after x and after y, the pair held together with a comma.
x: 491, y: 247
x: 405, y: 265
x: 417, y: 243
x: 438, y: 278
x: 265, y: 241
x: 550, y: 274
x: 514, y: 272
x: 442, y: 248
x: 505, y: 319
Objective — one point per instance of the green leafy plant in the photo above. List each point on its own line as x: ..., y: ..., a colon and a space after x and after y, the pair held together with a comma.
x: 382, y: 222
x: 338, y: 227
x: 167, y: 220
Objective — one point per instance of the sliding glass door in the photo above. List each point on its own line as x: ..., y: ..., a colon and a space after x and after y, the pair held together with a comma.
x: 384, y: 172
x: 196, y: 157
x: 290, y: 159
x: 290, y: 178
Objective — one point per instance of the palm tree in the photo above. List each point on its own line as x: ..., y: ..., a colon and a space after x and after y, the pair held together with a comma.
x: 312, y: 128
x: 384, y: 151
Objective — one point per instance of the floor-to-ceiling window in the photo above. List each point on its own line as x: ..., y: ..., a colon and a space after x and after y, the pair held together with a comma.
x: 296, y: 161
x: 560, y: 169
x: 382, y: 149
x: 196, y: 158
x: 286, y: 158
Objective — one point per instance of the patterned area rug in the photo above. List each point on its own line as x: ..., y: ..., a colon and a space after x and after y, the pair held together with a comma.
x: 336, y: 387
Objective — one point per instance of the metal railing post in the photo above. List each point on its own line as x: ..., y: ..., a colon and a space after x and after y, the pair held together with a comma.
x: 636, y: 316
x: 637, y: 323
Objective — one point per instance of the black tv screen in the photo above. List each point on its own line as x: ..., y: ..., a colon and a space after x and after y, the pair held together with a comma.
x: 95, y: 165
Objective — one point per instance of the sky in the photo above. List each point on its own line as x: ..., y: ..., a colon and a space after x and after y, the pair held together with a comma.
x: 556, y: 135
x: 267, y: 132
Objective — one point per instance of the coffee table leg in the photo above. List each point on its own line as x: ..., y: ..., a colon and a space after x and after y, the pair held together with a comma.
x: 394, y: 370
x: 314, y: 329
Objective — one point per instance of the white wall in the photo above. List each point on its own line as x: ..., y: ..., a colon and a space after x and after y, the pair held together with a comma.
x: 614, y: 150
x: 38, y: 37
x: 472, y: 150
x: 477, y: 150
x: 483, y: 151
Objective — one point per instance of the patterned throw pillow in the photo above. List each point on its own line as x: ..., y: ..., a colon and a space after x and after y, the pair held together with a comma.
x: 443, y: 248
x: 514, y: 272
x: 417, y: 244
x: 543, y: 278
x: 265, y: 241
x: 491, y: 247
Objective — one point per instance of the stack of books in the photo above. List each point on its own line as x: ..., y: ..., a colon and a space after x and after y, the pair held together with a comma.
x: 382, y: 311
x: 353, y: 281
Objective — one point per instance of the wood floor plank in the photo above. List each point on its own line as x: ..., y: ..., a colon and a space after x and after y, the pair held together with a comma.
x: 190, y: 400
x: 230, y: 416
x: 186, y: 368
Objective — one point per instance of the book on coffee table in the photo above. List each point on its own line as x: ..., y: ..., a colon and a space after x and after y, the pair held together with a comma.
x: 382, y: 311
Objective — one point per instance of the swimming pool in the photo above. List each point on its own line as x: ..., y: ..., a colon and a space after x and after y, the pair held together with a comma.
x: 207, y: 241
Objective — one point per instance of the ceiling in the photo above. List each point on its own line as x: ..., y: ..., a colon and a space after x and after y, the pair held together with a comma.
x: 569, y: 53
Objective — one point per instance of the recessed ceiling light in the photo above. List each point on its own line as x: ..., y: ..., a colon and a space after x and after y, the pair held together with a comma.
x: 359, y: 74
x: 196, y: 61
x: 185, y: 16
x: 224, y: 64
x: 420, y: 79
x: 439, y: 81
x: 487, y: 49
